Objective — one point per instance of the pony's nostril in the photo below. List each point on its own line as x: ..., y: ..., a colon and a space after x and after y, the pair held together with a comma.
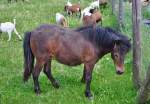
x: 119, y: 72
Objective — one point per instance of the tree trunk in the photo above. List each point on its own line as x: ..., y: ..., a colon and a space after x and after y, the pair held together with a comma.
x: 120, y: 14
x: 145, y: 89
x: 136, y: 19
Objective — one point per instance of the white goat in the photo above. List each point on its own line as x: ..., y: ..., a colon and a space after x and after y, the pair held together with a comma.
x: 9, y: 28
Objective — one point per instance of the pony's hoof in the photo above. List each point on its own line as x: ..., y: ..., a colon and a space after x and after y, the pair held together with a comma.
x: 24, y: 81
x: 89, y: 95
x: 56, y: 84
x: 38, y: 92
x: 91, y: 98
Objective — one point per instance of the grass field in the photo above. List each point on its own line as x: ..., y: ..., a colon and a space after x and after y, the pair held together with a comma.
x: 106, y: 86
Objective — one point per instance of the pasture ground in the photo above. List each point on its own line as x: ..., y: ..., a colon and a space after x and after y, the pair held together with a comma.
x: 106, y: 86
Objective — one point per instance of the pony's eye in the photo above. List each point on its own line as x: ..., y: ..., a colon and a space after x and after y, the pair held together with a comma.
x: 116, y: 55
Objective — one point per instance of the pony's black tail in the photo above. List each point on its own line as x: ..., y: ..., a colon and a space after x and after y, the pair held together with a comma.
x: 28, y: 57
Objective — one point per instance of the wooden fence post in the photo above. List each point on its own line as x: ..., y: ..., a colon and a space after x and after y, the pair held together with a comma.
x: 145, y: 89
x: 120, y: 14
x: 136, y: 19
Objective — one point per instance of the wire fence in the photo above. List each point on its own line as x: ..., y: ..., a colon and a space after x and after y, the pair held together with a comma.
x: 145, y: 31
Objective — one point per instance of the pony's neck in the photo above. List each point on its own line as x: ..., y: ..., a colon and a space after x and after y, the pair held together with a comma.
x: 103, y: 51
x: 103, y: 39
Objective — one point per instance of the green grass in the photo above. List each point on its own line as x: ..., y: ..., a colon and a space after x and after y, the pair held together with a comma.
x: 106, y: 86
x: 146, y: 13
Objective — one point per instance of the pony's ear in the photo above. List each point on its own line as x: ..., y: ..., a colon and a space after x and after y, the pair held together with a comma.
x: 117, y: 41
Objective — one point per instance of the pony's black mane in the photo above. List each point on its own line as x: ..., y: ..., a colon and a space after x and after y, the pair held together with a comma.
x: 103, y: 36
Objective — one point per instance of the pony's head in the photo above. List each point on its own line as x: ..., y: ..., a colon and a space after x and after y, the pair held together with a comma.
x: 111, y: 41
x: 121, y: 47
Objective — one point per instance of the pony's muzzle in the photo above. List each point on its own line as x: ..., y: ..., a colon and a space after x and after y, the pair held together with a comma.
x: 119, y: 70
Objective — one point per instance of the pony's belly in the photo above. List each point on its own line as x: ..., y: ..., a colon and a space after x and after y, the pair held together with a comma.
x: 70, y: 61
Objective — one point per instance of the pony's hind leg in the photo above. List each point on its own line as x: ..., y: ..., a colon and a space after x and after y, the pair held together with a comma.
x: 35, y: 74
x: 47, y: 71
x: 83, y: 77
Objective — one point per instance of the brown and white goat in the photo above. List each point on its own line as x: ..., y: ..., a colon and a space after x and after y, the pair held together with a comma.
x: 75, y: 8
x: 92, y: 19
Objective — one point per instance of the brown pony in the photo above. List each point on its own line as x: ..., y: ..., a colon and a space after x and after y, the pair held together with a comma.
x: 85, y: 45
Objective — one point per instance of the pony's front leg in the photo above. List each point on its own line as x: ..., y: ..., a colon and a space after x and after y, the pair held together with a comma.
x: 35, y: 74
x: 88, y: 77
x: 48, y: 73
